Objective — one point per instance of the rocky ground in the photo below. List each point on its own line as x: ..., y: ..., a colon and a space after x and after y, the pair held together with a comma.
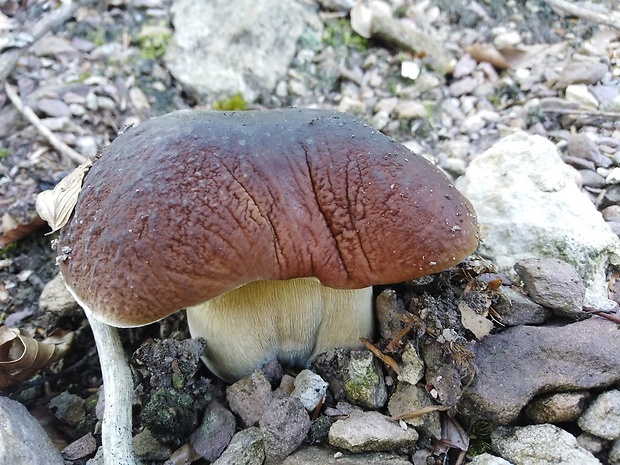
x: 513, y: 354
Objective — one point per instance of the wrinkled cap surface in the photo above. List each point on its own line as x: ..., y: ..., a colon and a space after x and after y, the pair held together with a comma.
x: 190, y: 205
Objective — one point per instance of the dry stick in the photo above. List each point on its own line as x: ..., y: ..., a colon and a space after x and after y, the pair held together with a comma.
x: 116, y: 430
x: 50, y: 21
x: 33, y: 119
x: 585, y: 13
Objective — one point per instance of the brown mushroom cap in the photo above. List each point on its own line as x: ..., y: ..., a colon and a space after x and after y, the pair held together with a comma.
x: 190, y: 205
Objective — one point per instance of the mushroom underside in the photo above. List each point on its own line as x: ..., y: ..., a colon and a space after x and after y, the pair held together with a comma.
x: 291, y: 321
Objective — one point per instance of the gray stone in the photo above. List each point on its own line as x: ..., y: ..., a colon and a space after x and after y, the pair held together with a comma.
x: 540, y: 445
x: 284, y: 425
x: 554, y: 284
x: 245, y: 448
x: 365, y: 384
x: 53, y: 107
x: 464, y: 66
x: 614, y: 453
x: 592, y: 179
x: 23, y: 439
x: 579, y: 72
x: 580, y: 94
x: 515, y: 308
x: 80, y: 448
x: 214, y: 433
x: 370, y: 432
x: 311, y: 455
x: 412, y: 365
x: 68, y: 408
x: 249, y: 397
x: 408, y: 398
x: 591, y: 443
x: 310, y: 389
x: 530, y: 206
x: 602, y: 418
x: 389, y: 307
x: 557, y: 408
x: 488, y: 459
x: 332, y: 367
x: 525, y: 361
x: 221, y: 48
x: 463, y: 86
x: 56, y: 298
x: 583, y: 146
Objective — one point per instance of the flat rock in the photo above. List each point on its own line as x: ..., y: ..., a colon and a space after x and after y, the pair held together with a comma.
x: 408, y: 398
x: 221, y: 48
x: 488, y: 459
x: 249, y: 397
x: 215, y: 432
x: 57, y: 299
x: 284, y: 425
x: 530, y: 206
x: 23, y: 439
x: 245, y: 448
x: 602, y: 418
x: 311, y: 455
x: 553, y: 283
x: 370, y: 432
x: 540, y: 445
x: 516, y: 308
x: 579, y: 72
x: 558, y: 408
x: 525, y: 361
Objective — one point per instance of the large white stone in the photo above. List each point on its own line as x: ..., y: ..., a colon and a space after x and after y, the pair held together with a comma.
x: 529, y: 205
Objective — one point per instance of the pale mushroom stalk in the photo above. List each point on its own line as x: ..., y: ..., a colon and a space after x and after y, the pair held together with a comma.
x: 291, y: 321
x: 116, y: 428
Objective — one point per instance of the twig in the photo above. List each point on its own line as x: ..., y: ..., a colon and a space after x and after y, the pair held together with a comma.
x: 578, y: 112
x: 575, y: 10
x: 33, y: 119
x: 389, y: 361
x: 52, y: 20
x: 116, y: 429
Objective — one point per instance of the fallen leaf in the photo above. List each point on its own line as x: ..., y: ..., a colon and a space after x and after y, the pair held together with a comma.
x: 477, y: 324
x: 21, y: 356
x: 12, y: 231
x: 56, y: 206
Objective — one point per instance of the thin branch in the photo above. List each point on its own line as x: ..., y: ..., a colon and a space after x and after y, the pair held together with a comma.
x: 575, y: 10
x: 50, y: 21
x: 33, y: 119
x: 585, y: 113
x: 116, y: 430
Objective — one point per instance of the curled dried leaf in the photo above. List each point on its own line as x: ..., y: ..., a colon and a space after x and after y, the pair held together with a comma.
x: 21, y: 356
x: 55, y: 206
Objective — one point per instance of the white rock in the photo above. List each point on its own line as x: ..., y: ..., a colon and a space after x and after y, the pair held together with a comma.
x: 310, y: 388
x: 540, y: 445
x: 488, y: 459
x: 410, y: 70
x: 528, y: 205
x: 602, y: 418
x: 580, y: 94
x: 370, y: 431
x: 613, y: 177
x: 412, y: 366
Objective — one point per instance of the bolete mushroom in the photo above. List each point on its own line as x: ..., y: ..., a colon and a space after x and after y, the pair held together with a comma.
x: 270, y: 226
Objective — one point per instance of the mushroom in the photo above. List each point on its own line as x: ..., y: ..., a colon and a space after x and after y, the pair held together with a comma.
x: 269, y: 226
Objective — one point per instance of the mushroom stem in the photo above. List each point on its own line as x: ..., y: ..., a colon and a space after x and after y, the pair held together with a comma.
x: 291, y: 321
x: 116, y: 429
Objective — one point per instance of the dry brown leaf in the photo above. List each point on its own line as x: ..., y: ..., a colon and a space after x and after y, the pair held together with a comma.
x: 21, y: 356
x: 12, y: 231
x: 488, y: 53
x: 55, y: 206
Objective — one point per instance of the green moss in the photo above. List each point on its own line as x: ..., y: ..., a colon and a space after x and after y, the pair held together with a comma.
x: 234, y: 103
x: 338, y: 32
x: 154, y: 41
x: 4, y: 152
